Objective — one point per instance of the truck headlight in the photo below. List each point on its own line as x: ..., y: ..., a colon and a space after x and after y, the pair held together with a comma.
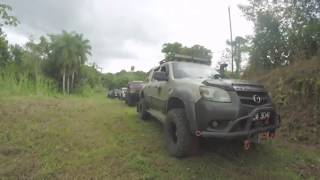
x: 215, y: 94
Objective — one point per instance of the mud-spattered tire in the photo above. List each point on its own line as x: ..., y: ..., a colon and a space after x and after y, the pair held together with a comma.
x: 180, y: 141
x: 130, y: 100
x: 144, y: 115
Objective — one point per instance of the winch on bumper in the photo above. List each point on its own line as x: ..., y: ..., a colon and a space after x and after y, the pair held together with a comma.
x: 234, y: 120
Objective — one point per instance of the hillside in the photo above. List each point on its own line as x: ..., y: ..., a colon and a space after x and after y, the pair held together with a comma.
x: 296, y: 90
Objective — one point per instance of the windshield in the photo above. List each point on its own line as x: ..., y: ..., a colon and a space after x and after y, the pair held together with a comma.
x: 193, y: 70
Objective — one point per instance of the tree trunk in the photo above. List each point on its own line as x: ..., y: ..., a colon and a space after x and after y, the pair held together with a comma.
x: 72, y: 81
x: 64, y: 82
x: 68, y: 85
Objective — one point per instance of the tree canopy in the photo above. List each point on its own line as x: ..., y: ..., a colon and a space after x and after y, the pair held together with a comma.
x: 178, y: 48
x: 68, y: 52
x: 122, y: 78
x: 240, y: 46
x: 6, y: 18
x: 58, y: 57
x: 284, y: 31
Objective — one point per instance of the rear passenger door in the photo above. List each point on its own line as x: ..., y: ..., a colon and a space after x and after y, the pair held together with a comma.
x: 149, y: 89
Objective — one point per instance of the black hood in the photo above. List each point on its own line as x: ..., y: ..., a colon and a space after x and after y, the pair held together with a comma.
x: 234, y: 84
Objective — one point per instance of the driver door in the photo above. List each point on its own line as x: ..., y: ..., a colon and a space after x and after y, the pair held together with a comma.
x: 161, y: 90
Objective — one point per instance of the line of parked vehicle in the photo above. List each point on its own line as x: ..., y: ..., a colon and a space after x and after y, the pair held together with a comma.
x: 129, y: 94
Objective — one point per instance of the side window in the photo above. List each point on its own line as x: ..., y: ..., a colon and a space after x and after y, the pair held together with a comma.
x: 165, y: 69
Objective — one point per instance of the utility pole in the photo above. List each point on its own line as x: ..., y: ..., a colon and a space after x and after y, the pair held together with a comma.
x: 231, y: 44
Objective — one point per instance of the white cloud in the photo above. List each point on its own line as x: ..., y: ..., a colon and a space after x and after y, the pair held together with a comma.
x: 125, y: 33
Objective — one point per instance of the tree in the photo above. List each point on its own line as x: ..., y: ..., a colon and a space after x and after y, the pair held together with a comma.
x: 240, y: 46
x: 89, y: 76
x: 17, y: 53
x: 122, y: 78
x: 269, y: 46
x: 4, y: 51
x: 170, y: 48
x: 35, y: 56
x: 5, y: 19
x: 69, y: 52
x: 83, y: 49
x: 195, y: 51
x: 285, y: 30
x: 58, y: 58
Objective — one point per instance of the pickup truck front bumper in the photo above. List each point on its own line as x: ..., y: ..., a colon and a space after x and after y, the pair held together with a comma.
x: 238, y: 127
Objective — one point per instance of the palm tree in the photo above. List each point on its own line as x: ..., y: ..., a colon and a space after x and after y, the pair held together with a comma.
x: 83, y: 49
x: 69, y: 52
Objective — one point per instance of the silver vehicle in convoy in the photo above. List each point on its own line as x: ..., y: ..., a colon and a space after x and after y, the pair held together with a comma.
x: 123, y: 93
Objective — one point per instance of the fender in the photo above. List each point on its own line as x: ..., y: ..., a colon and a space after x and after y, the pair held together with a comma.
x: 186, y: 96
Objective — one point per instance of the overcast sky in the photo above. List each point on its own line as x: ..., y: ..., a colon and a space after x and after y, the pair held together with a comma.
x: 126, y: 32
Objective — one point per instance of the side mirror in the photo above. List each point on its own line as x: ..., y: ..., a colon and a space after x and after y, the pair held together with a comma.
x: 160, y: 76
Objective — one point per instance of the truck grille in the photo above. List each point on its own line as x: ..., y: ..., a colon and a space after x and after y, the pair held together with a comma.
x: 247, y: 98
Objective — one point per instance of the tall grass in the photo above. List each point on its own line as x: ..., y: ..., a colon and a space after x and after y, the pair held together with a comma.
x: 87, y: 91
x: 22, y: 83
x: 30, y: 80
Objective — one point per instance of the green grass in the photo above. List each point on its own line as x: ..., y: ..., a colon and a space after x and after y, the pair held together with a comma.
x: 13, y: 83
x: 95, y: 137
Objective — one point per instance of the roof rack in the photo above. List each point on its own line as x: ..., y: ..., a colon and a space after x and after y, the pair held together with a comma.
x: 185, y: 58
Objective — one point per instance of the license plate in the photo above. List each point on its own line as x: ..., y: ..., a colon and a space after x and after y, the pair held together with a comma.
x: 262, y: 116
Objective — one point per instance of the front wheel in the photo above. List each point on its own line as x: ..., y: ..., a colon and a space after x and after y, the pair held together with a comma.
x: 180, y: 141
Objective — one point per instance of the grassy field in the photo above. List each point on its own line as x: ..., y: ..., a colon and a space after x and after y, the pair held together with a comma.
x: 82, y: 138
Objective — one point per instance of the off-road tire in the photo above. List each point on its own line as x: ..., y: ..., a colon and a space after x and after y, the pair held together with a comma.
x: 179, y: 139
x: 130, y: 100
x: 144, y: 115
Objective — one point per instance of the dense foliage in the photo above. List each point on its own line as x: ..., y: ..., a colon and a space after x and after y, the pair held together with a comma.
x: 51, y: 63
x: 178, y: 48
x: 58, y: 58
x: 240, y: 46
x: 122, y: 78
x: 285, y: 31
